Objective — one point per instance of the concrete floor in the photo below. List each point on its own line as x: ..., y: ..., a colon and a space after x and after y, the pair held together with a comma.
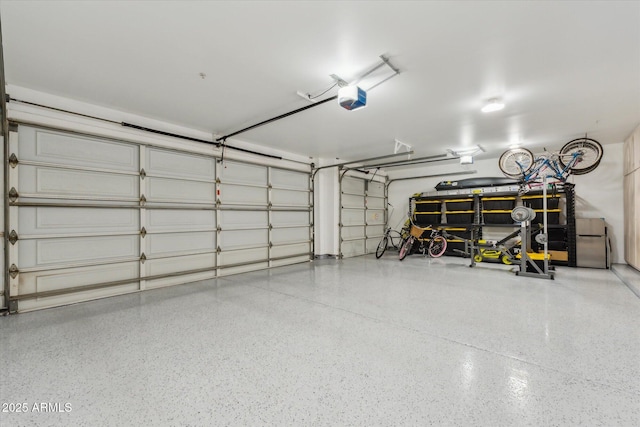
x: 356, y: 342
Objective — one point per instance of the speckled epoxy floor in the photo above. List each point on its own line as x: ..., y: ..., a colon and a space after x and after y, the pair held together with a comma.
x: 356, y: 342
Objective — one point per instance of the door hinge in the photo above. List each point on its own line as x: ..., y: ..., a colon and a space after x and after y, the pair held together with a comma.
x: 13, y: 271
x: 13, y: 160
x: 143, y: 200
x: 13, y: 194
x: 143, y: 174
x: 143, y: 232
x: 143, y: 258
x: 13, y: 237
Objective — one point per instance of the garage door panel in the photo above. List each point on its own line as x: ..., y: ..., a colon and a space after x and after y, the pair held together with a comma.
x: 179, y: 280
x: 375, y: 230
x: 158, y: 245
x: 289, y: 198
x: 176, y: 264
x: 291, y: 250
x: 289, y: 261
x: 175, y: 190
x: 62, y: 148
x: 372, y: 244
x: 375, y: 203
x: 352, y: 232
x: 243, y: 219
x: 53, y: 280
x: 375, y: 217
x: 80, y: 236
x: 352, y: 217
x: 352, y: 185
x: 243, y: 173
x: 58, y: 220
x: 238, y: 239
x: 289, y: 179
x: 243, y: 256
x: 375, y: 188
x: 353, y: 248
x: 180, y: 165
x: 289, y: 235
x: 85, y: 250
x: 280, y: 218
x: 243, y: 269
x: 350, y: 201
x: 55, y: 301
x: 241, y: 195
x: 179, y: 220
x: 47, y: 181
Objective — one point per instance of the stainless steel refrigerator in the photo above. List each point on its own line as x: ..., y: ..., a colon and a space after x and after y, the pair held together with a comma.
x: 592, y: 245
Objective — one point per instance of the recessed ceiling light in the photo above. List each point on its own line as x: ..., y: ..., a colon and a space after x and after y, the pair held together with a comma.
x: 493, y: 104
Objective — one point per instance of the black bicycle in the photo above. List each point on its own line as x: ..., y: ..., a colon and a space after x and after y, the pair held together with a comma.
x: 392, y: 237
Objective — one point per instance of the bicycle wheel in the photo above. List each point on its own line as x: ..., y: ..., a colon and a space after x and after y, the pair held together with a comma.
x: 589, y: 155
x: 437, y: 247
x: 516, y: 162
x: 406, y: 248
x: 382, y: 246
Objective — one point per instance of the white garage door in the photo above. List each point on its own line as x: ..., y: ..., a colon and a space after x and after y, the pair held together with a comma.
x: 91, y: 217
x: 362, y: 215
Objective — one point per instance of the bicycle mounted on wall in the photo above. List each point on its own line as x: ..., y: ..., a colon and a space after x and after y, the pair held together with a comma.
x: 576, y: 157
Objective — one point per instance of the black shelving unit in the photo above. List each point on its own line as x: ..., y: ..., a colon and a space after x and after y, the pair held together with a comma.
x: 470, y: 210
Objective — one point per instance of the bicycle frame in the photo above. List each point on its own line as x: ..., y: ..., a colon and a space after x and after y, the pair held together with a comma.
x: 550, y: 161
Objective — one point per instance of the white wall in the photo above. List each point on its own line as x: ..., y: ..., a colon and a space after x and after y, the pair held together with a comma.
x: 598, y: 194
x: 326, y: 200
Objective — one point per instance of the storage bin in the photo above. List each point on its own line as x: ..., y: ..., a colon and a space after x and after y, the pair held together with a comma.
x: 459, y: 204
x: 428, y: 205
x: 461, y: 217
x: 535, y: 201
x: 424, y: 219
x: 497, y: 217
x: 498, y: 203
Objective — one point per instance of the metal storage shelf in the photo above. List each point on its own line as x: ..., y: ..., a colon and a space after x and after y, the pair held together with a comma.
x: 506, y: 197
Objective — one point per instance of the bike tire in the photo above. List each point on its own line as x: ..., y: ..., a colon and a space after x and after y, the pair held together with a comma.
x: 516, y: 162
x: 592, y: 154
x: 382, y: 246
x: 437, y: 247
x: 405, y: 248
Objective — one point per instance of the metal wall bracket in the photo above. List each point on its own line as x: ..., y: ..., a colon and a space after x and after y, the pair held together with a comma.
x: 143, y: 200
x: 13, y: 194
x: 13, y: 271
x: 143, y: 232
x: 13, y: 237
x: 143, y: 174
x: 13, y: 160
x: 143, y: 258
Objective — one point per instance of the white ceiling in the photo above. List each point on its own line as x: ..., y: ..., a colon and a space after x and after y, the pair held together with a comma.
x: 563, y: 68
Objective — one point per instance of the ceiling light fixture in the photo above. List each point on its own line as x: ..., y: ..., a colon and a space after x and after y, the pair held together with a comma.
x: 493, y: 104
x: 466, y: 153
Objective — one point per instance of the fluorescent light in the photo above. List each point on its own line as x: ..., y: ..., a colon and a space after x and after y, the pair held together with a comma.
x: 494, y: 104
